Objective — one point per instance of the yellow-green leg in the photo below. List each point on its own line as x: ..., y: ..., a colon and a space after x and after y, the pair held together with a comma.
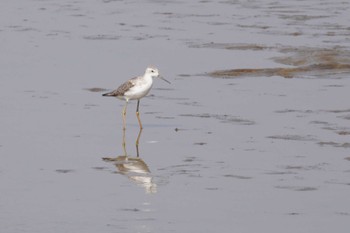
x: 124, y: 115
x: 138, y: 114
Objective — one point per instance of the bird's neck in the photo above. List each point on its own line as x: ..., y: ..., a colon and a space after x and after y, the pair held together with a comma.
x: 148, y: 77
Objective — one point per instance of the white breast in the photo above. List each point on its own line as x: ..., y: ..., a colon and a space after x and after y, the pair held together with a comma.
x: 141, y: 89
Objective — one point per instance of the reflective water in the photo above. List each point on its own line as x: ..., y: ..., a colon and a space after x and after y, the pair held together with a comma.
x: 252, y: 134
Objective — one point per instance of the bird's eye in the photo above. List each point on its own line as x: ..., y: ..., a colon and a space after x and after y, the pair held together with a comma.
x: 152, y: 71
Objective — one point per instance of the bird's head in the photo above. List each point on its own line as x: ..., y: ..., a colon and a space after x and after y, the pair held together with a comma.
x: 154, y: 73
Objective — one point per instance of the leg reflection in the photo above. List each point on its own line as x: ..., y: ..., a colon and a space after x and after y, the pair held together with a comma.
x: 124, y: 143
x: 134, y: 167
x: 137, y: 142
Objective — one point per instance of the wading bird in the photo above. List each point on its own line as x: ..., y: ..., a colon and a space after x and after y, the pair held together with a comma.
x: 135, y: 89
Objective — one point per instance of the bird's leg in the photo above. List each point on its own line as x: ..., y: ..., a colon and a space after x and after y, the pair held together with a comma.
x: 124, y: 115
x: 138, y: 113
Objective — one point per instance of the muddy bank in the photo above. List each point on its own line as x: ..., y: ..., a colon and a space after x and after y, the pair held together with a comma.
x: 301, y: 61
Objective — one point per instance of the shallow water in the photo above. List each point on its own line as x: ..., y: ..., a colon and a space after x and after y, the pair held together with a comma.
x: 219, y: 152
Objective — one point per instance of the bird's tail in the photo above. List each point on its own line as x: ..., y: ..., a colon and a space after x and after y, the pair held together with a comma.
x: 108, y: 94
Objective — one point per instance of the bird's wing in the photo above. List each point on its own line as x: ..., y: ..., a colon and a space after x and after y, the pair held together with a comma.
x: 122, y: 88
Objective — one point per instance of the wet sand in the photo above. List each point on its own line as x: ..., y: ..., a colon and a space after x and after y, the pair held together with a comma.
x: 301, y: 62
x: 252, y: 135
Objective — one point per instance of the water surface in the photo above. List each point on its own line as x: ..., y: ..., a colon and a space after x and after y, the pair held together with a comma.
x: 252, y: 135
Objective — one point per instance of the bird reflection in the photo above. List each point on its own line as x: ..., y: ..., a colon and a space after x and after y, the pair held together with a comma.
x: 134, y: 167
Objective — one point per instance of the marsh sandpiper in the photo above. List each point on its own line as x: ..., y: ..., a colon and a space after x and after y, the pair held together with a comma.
x: 135, y: 89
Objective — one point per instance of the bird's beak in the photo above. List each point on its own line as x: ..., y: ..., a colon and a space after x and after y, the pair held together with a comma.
x: 161, y: 77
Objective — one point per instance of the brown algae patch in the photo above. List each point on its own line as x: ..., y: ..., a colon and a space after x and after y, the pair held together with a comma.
x: 297, y: 188
x: 222, y: 118
x: 102, y: 37
x: 335, y: 144
x: 302, y: 61
x: 96, y: 89
x: 346, y: 117
x: 293, y: 137
x: 64, y: 171
x: 266, y: 72
x: 343, y: 132
x: 238, y: 177
x: 239, y: 46
x: 320, y: 166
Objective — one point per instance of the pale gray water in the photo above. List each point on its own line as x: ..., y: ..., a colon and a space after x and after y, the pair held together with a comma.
x: 257, y: 152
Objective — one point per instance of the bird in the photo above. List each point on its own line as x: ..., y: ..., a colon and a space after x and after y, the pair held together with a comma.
x: 135, y: 89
